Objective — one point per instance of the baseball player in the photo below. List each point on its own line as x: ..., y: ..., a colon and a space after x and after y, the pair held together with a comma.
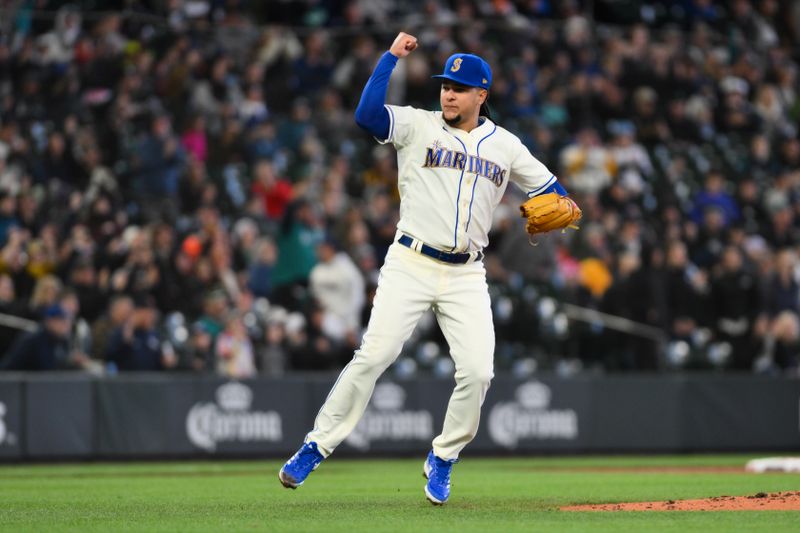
x: 454, y: 166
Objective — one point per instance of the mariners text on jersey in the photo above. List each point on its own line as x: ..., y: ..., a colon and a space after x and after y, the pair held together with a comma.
x: 439, y: 157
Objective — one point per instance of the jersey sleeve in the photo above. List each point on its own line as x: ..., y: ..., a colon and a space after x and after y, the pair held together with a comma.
x: 403, y: 123
x: 530, y: 174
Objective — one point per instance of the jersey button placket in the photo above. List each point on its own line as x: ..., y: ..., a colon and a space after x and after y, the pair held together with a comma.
x: 466, y: 189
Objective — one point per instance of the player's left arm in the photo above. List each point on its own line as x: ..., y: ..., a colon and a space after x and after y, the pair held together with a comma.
x: 531, y: 175
x: 548, y: 207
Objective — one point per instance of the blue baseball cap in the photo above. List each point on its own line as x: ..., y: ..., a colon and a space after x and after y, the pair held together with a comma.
x: 54, y: 311
x: 467, y: 69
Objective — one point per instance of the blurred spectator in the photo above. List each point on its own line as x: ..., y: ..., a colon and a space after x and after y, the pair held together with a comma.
x: 194, y: 186
x: 736, y: 114
x: 630, y: 296
x: 297, y: 241
x: 215, y: 308
x: 92, y: 297
x: 338, y: 286
x: 58, y: 166
x: 159, y: 159
x: 9, y: 305
x: 312, y: 71
x: 137, y: 344
x: 312, y: 349
x: 587, y: 165
x: 686, y: 289
x: 45, y: 294
x: 782, y: 291
x: 748, y: 199
x: 633, y: 166
x: 119, y: 313
x: 273, y: 355
x: 734, y: 304
x: 275, y: 193
x: 200, y: 351
x: 715, y: 196
x: 194, y: 139
x: 252, y: 108
x: 8, y: 219
x: 381, y: 177
x: 234, y: 350
x: 261, y: 268
x: 47, y: 348
x: 781, y: 345
x: 353, y: 71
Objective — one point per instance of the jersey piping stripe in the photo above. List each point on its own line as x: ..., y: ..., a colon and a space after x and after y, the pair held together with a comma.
x: 549, y: 182
x: 391, y: 122
x: 346, y: 367
x: 458, y: 198
x: 478, y: 148
x: 474, y: 185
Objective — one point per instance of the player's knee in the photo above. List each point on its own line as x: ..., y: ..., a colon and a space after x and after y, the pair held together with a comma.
x: 480, y: 376
x: 375, y: 358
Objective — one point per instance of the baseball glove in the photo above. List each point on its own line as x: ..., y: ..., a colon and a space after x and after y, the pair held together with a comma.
x: 550, y: 211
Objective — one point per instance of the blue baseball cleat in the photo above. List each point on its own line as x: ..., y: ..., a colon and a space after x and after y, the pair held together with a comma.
x: 297, y: 469
x: 437, y: 472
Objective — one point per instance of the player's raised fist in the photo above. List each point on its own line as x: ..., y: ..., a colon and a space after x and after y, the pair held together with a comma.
x: 403, y: 44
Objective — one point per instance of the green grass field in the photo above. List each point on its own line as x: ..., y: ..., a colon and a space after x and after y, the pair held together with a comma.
x: 521, y: 494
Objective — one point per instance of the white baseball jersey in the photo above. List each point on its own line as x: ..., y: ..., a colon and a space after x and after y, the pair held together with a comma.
x: 450, y: 180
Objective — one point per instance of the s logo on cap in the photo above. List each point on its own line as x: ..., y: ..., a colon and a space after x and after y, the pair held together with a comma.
x: 456, y: 65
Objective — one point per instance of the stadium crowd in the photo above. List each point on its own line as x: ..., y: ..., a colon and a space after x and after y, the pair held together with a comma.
x: 183, y: 186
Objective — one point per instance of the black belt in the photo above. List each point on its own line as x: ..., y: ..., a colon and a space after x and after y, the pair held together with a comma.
x: 447, y: 257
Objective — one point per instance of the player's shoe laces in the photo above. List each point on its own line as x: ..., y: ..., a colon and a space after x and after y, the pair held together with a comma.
x: 437, y: 490
x: 297, y: 469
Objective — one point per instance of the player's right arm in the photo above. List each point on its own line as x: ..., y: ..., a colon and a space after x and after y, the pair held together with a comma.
x: 371, y: 113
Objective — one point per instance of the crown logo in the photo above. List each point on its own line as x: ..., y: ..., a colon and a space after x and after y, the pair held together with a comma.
x: 388, y: 396
x: 234, y: 397
x: 534, y: 395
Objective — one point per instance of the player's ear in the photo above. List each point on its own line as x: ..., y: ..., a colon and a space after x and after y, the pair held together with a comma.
x: 484, y: 95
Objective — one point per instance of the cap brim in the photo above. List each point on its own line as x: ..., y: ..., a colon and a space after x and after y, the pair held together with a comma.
x: 456, y: 80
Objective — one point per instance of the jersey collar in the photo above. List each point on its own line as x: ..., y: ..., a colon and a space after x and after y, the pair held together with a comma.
x: 484, y: 124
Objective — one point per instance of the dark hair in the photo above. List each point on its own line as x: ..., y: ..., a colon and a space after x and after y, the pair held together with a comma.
x: 485, y: 111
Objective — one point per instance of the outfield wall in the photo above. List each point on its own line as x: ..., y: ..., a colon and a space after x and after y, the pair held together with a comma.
x: 72, y: 416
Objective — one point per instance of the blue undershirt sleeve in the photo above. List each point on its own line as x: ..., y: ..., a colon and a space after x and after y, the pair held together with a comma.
x: 556, y: 187
x: 371, y: 114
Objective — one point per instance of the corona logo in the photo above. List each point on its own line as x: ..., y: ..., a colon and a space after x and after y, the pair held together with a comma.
x: 231, y: 419
x: 531, y: 418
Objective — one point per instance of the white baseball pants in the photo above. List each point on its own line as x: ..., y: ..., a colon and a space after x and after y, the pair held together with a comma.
x: 409, y: 285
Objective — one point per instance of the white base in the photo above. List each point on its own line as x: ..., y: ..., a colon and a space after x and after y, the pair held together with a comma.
x: 285, y: 481
x: 431, y: 499
x: 773, y: 464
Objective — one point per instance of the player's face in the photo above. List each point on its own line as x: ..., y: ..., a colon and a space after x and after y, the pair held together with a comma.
x: 460, y: 103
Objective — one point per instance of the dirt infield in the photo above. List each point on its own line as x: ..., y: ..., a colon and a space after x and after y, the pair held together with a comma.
x: 663, y: 469
x: 762, y: 501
